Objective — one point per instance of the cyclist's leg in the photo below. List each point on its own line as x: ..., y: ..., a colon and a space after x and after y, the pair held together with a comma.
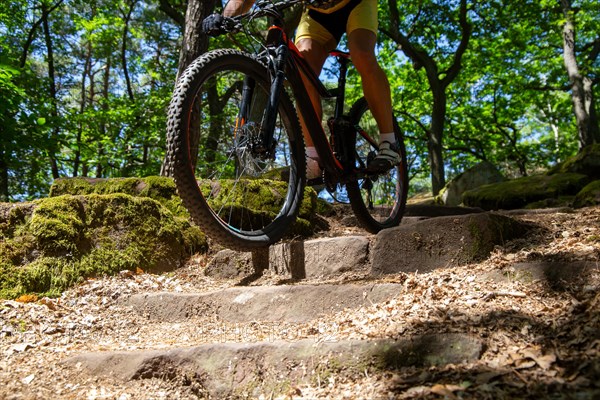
x: 315, y: 54
x: 362, y: 37
x: 376, y: 88
x: 314, y: 43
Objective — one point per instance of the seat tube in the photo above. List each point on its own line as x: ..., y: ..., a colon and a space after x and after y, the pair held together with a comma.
x: 341, y: 93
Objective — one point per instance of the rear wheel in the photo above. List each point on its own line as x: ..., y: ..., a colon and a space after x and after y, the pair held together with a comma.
x: 239, y: 192
x: 378, y: 200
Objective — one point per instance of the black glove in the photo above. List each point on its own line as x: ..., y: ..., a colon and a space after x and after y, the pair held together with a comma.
x: 215, y: 24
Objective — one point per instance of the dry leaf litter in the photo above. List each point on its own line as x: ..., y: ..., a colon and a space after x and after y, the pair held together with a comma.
x: 540, y: 340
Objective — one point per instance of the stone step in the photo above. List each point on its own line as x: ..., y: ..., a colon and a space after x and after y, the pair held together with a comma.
x: 417, y: 245
x: 442, y: 242
x: 297, y: 259
x: 250, y: 369
x: 288, y: 303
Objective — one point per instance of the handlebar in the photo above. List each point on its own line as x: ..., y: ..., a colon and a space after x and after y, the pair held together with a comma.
x: 264, y: 8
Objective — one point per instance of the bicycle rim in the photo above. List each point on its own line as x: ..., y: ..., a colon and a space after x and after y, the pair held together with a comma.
x: 378, y: 201
x: 241, y: 195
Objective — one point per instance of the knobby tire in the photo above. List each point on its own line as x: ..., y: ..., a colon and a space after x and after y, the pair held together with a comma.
x: 204, y: 192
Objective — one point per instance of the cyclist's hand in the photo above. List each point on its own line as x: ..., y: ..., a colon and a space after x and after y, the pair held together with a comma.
x: 216, y: 24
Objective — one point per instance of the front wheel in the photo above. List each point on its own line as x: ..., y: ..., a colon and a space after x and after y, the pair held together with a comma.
x: 378, y: 200
x: 242, y: 191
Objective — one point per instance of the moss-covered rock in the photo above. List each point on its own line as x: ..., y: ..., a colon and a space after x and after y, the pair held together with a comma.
x: 481, y: 174
x: 517, y: 193
x: 261, y: 200
x: 586, y: 162
x: 588, y: 196
x: 52, y: 243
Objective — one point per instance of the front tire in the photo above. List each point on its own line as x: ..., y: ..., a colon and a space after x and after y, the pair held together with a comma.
x: 241, y: 197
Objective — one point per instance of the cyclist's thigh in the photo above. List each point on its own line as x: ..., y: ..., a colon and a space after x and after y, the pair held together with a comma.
x: 364, y: 16
x: 310, y: 29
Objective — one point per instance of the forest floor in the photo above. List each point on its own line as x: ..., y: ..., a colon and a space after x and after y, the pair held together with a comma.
x: 540, y: 330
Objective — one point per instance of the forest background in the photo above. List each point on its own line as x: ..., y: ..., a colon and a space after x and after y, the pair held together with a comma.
x: 84, y: 85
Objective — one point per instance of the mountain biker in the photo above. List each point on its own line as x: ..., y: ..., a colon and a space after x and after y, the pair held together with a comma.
x: 321, y: 27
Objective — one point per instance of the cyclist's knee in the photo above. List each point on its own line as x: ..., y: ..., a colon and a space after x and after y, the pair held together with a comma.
x: 365, y: 62
x: 313, y: 52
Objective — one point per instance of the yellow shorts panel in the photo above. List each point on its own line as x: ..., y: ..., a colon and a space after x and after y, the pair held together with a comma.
x: 363, y: 16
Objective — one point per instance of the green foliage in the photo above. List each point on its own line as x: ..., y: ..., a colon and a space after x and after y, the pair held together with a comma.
x: 509, y: 104
x: 101, y: 128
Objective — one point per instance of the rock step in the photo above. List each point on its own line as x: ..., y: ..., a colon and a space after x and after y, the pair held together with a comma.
x: 289, y: 303
x: 233, y: 369
x: 417, y: 245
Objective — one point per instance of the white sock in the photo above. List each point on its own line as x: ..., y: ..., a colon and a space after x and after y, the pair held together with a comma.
x: 311, y: 152
x: 387, y: 137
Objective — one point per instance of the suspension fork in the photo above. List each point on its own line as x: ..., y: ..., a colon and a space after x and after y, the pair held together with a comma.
x: 247, y: 93
x: 277, y: 58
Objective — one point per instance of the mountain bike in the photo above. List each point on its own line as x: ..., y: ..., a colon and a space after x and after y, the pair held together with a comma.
x: 234, y: 136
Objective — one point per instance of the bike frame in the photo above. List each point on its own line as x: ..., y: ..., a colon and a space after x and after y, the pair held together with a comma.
x: 287, y: 63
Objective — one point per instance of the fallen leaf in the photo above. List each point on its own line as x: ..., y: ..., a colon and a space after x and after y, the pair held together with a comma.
x: 544, y: 361
x: 48, y: 303
x: 524, y: 363
x: 446, y: 390
x: 21, y: 347
x: 27, y: 298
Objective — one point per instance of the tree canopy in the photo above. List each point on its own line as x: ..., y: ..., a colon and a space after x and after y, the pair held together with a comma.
x: 84, y: 85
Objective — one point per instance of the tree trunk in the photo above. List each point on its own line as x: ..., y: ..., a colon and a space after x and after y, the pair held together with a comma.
x: 581, y: 99
x: 435, y: 140
x: 126, y: 20
x: 590, y: 105
x: 194, y: 44
x: 86, y: 71
x: 53, y: 148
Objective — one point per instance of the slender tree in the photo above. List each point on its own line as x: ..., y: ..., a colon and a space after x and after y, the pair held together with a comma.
x: 194, y: 43
x: 581, y: 84
x: 440, y: 72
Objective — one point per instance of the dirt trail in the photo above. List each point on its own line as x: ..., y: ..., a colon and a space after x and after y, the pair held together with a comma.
x: 522, y: 323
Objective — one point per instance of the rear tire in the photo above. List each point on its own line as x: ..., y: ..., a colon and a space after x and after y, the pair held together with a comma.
x: 219, y: 173
x: 378, y: 201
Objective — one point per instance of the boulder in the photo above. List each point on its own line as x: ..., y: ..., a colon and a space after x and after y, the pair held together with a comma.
x: 481, y: 174
x: 53, y: 243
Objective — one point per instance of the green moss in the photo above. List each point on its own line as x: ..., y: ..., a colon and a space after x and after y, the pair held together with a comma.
x: 518, y: 193
x: 58, y: 224
x: 587, y: 162
x: 158, y: 187
x: 259, y: 199
x: 324, y: 208
x: 588, y: 196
